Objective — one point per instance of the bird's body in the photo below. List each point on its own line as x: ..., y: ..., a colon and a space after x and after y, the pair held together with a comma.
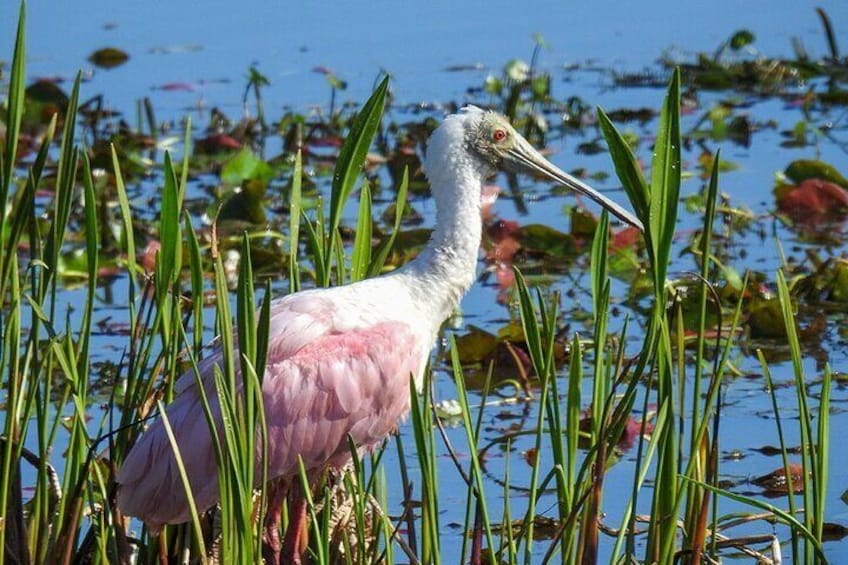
x: 340, y: 359
x: 339, y: 363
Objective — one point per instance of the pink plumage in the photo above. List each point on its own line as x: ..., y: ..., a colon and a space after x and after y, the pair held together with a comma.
x: 320, y: 385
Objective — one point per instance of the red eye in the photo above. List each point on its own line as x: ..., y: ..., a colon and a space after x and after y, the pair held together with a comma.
x: 499, y: 135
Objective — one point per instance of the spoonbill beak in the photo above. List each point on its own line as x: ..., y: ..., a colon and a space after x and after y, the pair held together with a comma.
x: 521, y: 157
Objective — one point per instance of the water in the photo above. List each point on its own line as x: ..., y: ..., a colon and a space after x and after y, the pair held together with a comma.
x: 181, y: 42
x: 188, y: 59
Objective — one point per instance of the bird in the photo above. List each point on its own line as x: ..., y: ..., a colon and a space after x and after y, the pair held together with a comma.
x: 340, y: 359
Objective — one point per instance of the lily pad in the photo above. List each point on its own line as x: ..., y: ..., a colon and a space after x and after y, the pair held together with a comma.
x: 108, y: 58
x: 766, y: 318
x: 829, y: 282
x: 814, y: 201
x: 246, y: 166
x: 44, y: 98
x: 839, y: 292
x: 476, y: 345
x: 246, y: 205
x: 539, y: 238
x: 776, y: 483
x: 583, y: 223
x: 803, y: 169
x: 217, y: 143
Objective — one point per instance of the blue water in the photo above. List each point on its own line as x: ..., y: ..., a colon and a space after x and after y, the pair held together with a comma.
x: 206, y: 50
x: 218, y: 40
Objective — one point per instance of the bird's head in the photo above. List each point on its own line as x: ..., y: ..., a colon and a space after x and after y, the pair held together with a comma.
x: 491, y: 138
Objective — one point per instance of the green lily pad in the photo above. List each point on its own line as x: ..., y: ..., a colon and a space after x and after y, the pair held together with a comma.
x: 476, y: 345
x: 108, y: 58
x: 583, y: 223
x: 247, y: 204
x: 246, y: 166
x: 538, y: 238
x: 624, y: 264
x: 766, y: 318
x: 839, y: 293
x: 803, y: 169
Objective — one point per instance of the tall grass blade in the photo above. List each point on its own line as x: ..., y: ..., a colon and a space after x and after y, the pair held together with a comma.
x: 294, y: 223
x: 645, y: 464
x: 349, y: 164
x: 696, y: 499
x: 784, y: 451
x: 170, y: 236
x: 821, y: 464
x: 23, y: 205
x: 128, y: 232
x: 471, y: 435
x: 66, y: 176
x: 539, y: 338
x: 195, y: 518
x: 12, y: 534
x: 829, y: 34
x: 92, y: 248
x: 361, y: 253
x: 422, y: 427
x: 627, y: 168
x: 665, y: 181
x: 321, y: 556
x: 808, y: 458
x: 186, y: 160
x: 195, y: 263
x: 14, y: 112
x: 382, y: 253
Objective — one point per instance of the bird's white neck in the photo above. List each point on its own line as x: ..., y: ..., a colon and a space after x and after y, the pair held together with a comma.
x: 446, y: 268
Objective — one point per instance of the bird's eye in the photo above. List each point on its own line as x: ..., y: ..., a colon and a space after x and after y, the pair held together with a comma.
x: 499, y: 135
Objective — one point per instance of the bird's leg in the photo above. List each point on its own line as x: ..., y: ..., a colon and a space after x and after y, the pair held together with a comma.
x: 271, y: 536
x: 297, y: 538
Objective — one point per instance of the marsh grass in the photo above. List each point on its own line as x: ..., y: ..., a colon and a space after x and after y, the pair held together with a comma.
x: 70, y: 515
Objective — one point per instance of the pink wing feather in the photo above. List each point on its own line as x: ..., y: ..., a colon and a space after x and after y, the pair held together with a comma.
x: 322, y: 383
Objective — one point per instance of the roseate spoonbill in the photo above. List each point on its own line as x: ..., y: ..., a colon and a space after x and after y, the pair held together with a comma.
x: 340, y: 359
